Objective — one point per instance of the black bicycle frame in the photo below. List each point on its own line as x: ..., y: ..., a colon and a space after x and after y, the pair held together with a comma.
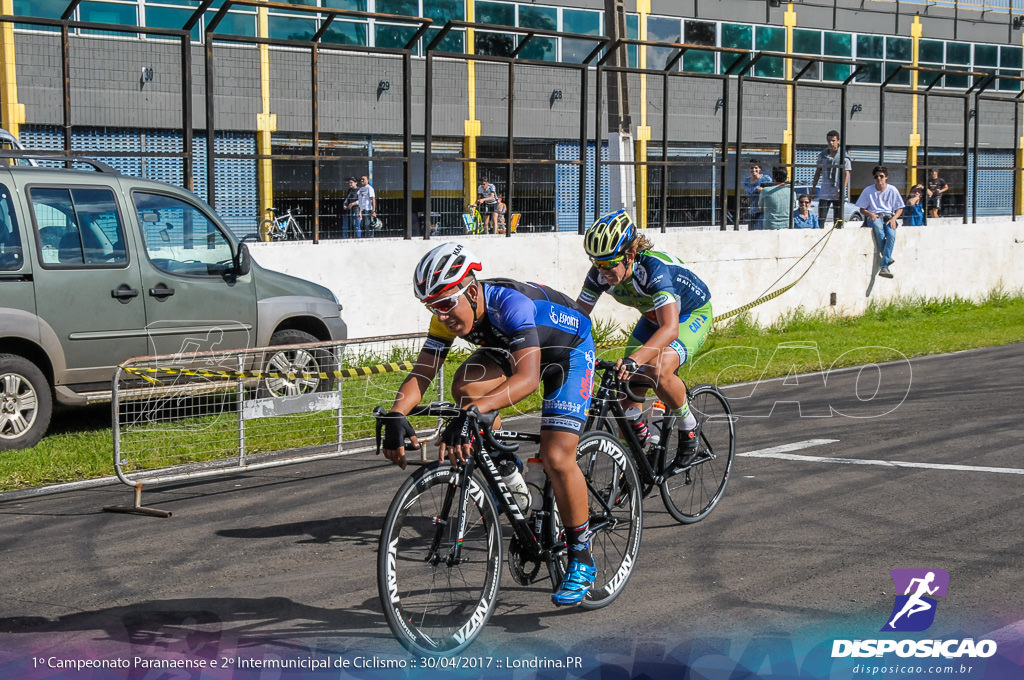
x: 606, y: 399
x: 483, y: 460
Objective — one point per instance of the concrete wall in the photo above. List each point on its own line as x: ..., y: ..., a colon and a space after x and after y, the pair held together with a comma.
x: 373, y: 278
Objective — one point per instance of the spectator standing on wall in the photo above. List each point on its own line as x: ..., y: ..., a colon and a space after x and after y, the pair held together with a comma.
x: 913, y: 216
x: 367, y: 204
x: 803, y: 218
x: 882, y: 205
x: 350, y: 219
x: 834, y: 183
x: 936, y: 187
x: 487, y: 203
x: 752, y: 185
x: 776, y: 201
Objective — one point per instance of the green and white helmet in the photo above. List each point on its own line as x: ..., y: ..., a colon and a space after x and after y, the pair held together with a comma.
x: 609, y: 236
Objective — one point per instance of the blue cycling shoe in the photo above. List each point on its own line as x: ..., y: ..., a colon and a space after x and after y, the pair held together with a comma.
x: 576, y: 584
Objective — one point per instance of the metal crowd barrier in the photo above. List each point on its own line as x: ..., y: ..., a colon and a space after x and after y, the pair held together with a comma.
x: 185, y: 416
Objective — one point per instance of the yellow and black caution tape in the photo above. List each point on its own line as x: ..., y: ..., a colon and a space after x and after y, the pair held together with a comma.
x: 776, y: 293
x: 150, y: 374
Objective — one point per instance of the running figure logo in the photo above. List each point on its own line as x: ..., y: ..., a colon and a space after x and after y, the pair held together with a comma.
x: 914, y: 610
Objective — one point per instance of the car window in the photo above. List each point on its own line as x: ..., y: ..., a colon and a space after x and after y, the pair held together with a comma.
x: 180, y: 238
x: 11, y: 256
x: 78, y: 227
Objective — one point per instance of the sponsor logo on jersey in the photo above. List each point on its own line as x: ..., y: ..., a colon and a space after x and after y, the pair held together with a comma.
x: 564, y: 320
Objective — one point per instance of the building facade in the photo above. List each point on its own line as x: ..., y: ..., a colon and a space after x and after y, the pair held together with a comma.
x: 303, y: 95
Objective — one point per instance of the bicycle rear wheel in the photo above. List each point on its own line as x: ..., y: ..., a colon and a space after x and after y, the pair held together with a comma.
x: 691, y: 494
x: 616, y: 516
x: 432, y: 605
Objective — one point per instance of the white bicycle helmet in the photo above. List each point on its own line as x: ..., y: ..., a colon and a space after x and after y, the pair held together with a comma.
x: 443, y: 269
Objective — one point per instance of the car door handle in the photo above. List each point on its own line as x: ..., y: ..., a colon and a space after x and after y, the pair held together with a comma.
x: 124, y: 293
x: 161, y: 291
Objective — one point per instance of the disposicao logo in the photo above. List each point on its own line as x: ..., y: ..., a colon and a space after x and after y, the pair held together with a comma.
x: 913, y: 611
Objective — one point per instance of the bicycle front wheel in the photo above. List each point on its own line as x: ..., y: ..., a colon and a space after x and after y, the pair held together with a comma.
x: 616, y: 516
x: 266, y: 230
x: 692, y: 493
x: 434, y: 602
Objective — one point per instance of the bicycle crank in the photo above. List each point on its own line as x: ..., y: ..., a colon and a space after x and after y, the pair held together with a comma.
x: 524, y: 568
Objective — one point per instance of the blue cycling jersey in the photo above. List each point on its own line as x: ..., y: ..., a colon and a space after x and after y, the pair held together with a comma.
x: 519, y: 315
x: 522, y: 315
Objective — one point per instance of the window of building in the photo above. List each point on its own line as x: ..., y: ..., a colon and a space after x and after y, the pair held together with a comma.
x: 235, y: 23
x: 346, y: 32
x: 290, y: 27
x: 700, y: 33
x: 49, y: 9
x: 931, y: 52
x: 1010, y: 65
x: 490, y: 42
x: 662, y: 29
x: 169, y: 17
x: 108, y: 13
x: 807, y: 42
x: 584, y: 22
x: 357, y: 5
x: 897, y: 52
x: 770, y: 39
x: 406, y: 8
x: 544, y: 18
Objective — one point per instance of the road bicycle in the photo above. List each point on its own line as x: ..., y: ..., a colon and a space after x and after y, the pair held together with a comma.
x: 691, y: 491
x: 282, y: 228
x: 439, y: 559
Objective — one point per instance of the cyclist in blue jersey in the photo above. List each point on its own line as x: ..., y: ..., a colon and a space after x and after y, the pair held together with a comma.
x: 527, y: 333
x: 676, y: 316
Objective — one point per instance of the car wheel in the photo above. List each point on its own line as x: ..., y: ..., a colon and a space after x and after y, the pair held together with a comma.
x: 856, y: 217
x: 26, y: 403
x: 299, y: 369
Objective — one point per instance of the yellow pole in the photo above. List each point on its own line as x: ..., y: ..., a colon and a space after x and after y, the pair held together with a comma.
x: 12, y: 114
x: 916, y: 30
x: 266, y: 122
x: 786, y: 152
x: 643, y: 132
x: 471, y: 125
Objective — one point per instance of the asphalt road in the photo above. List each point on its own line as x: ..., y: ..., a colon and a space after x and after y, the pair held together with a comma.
x: 840, y: 478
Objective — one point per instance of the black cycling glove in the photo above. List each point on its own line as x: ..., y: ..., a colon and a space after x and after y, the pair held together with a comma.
x: 396, y: 430
x: 630, y: 365
x: 461, y: 430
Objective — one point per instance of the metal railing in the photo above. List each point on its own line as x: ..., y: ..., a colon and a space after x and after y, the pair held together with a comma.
x: 181, y: 417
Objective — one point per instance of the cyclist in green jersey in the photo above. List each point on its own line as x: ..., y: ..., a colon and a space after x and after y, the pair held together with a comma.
x: 676, y: 316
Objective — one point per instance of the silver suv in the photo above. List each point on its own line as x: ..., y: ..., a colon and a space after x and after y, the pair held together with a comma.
x: 97, y: 267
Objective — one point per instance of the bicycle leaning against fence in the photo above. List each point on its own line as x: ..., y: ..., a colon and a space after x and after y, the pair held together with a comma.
x: 439, y: 559
x: 691, y: 491
x: 281, y: 228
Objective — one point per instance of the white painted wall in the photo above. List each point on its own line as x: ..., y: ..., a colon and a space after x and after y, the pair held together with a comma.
x: 373, y: 277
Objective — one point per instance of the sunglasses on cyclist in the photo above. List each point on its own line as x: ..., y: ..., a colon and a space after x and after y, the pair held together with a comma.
x: 445, y: 305
x: 608, y: 264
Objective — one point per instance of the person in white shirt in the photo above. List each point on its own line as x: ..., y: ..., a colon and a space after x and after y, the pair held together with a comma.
x: 881, y: 204
x: 367, y: 205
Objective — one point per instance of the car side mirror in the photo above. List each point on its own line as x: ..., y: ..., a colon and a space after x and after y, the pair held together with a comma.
x: 243, y: 260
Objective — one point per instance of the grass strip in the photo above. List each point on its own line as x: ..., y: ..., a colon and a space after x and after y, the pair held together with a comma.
x: 80, y: 444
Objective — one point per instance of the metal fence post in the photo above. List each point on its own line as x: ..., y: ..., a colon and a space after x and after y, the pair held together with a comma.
x: 339, y: 352
x: 241, y: 415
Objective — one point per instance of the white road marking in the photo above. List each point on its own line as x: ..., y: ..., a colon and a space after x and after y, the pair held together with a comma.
x: 795, y: 446
x: 782, y: 453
